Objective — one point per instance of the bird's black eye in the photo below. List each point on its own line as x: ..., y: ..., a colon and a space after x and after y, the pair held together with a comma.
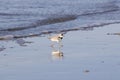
x: 60, y: 37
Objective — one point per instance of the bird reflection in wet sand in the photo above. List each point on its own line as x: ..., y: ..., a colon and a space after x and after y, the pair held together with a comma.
x: 57, y: 48
x: 57, y: 54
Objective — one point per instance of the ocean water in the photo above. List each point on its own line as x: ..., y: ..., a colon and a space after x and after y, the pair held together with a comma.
x: 22, y: 18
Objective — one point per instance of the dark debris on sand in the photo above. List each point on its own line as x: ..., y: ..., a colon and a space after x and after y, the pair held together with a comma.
x: 2, y: 48
x: 86, y: 71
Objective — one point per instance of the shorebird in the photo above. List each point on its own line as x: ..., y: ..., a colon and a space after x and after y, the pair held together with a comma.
x: 57, y: 38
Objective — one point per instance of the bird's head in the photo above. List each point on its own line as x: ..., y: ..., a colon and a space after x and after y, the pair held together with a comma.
x: 61, y: 35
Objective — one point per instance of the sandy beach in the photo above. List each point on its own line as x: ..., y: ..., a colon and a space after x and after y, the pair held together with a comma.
x: 87, y: 55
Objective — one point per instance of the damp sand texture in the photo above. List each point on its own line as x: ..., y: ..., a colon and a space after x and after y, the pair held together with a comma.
x: 92, y: 54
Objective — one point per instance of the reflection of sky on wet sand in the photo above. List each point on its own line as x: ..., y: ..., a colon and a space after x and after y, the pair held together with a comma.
x: 87, y: 55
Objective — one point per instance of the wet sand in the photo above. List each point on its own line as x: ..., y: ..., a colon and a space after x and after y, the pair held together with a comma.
x: 87, y: 55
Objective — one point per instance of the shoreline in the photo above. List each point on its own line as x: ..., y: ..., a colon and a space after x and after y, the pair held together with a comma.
x: 91, y: 54
x: 82, y: 28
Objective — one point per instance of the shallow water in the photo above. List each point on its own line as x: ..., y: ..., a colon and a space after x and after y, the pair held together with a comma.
x: 87, y: 55
x: 24, y: 17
